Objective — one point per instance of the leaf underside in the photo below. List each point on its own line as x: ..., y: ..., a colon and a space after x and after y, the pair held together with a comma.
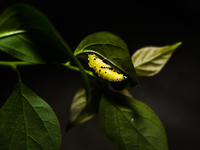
x: 111, y: 49
x: 83, y: 110
x: 148, y: 61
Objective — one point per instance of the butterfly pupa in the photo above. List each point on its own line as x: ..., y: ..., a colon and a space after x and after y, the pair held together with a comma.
x: 104, y: 70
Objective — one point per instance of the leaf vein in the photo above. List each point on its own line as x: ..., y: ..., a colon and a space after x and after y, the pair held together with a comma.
x: 120, y: 130
x: 131, y: 124
x: 42, y: 120
x: 142, y: 117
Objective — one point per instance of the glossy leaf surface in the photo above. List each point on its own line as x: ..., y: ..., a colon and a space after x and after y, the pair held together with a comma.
x: 148, y: 61
x: 111, y: 49
x: 81, y: 110
x: 26, y: 34
x: 28, y: 122
x: 130, y: 124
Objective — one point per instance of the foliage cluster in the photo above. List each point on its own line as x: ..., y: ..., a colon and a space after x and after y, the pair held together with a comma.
x: 28, y: 122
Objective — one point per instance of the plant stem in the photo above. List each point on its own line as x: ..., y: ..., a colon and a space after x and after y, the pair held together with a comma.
x: 14, y: 63
x: 17, y: 72
x: 22, y: 63
x: 77, y: 69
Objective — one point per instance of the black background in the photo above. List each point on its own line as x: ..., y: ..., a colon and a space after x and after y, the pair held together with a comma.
x: 173, y: 93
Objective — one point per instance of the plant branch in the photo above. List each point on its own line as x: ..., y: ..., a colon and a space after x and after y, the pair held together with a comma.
x: 15, y: 63
x: 77, y: 69
x: 17, y: 72
x: 22, y: 63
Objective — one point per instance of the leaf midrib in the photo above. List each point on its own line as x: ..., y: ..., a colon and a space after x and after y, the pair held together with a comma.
x: 136, y: 129
x: 132, y: 125
x: 83, y: 49
x: 12, y: 33
x: 152, y: 58
x: 22, y: 95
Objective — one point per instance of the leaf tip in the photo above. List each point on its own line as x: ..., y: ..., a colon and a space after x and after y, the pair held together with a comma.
x: 177, y: 44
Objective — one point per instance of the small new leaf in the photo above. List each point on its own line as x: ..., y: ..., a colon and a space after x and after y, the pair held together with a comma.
x: 83, y: 110
x: 148, y: 61
x: 28, y: 122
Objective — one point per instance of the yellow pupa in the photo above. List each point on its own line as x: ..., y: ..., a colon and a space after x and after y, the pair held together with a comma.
x: 104, y: 70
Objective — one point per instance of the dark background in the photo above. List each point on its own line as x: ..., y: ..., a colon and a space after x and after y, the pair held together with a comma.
x: 173, y: 94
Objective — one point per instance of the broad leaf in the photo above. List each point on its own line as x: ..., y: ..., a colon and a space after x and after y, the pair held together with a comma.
x: 26, y: 34
x: 148, y: 61
x: 28, y: 122
x: 130, y: 124
x: 111, y: 49
x: 83, y: 110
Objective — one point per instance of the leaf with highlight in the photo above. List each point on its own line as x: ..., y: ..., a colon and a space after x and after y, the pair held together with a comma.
x: 148, y: 61
x: 27, y: 34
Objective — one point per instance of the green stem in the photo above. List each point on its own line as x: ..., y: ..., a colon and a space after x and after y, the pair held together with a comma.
x: 14, y: 63
x: 17, y: 72
x: 22, y: 63
x: 77, y: 69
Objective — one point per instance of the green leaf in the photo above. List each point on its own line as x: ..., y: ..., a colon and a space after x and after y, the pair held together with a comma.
x: 28, y: 122
x: 111, y: 49
x: 130, y: 124
x: 126, y: 93
x: 81, y: 110
x: 26, y: 34
x: 148, y: 61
